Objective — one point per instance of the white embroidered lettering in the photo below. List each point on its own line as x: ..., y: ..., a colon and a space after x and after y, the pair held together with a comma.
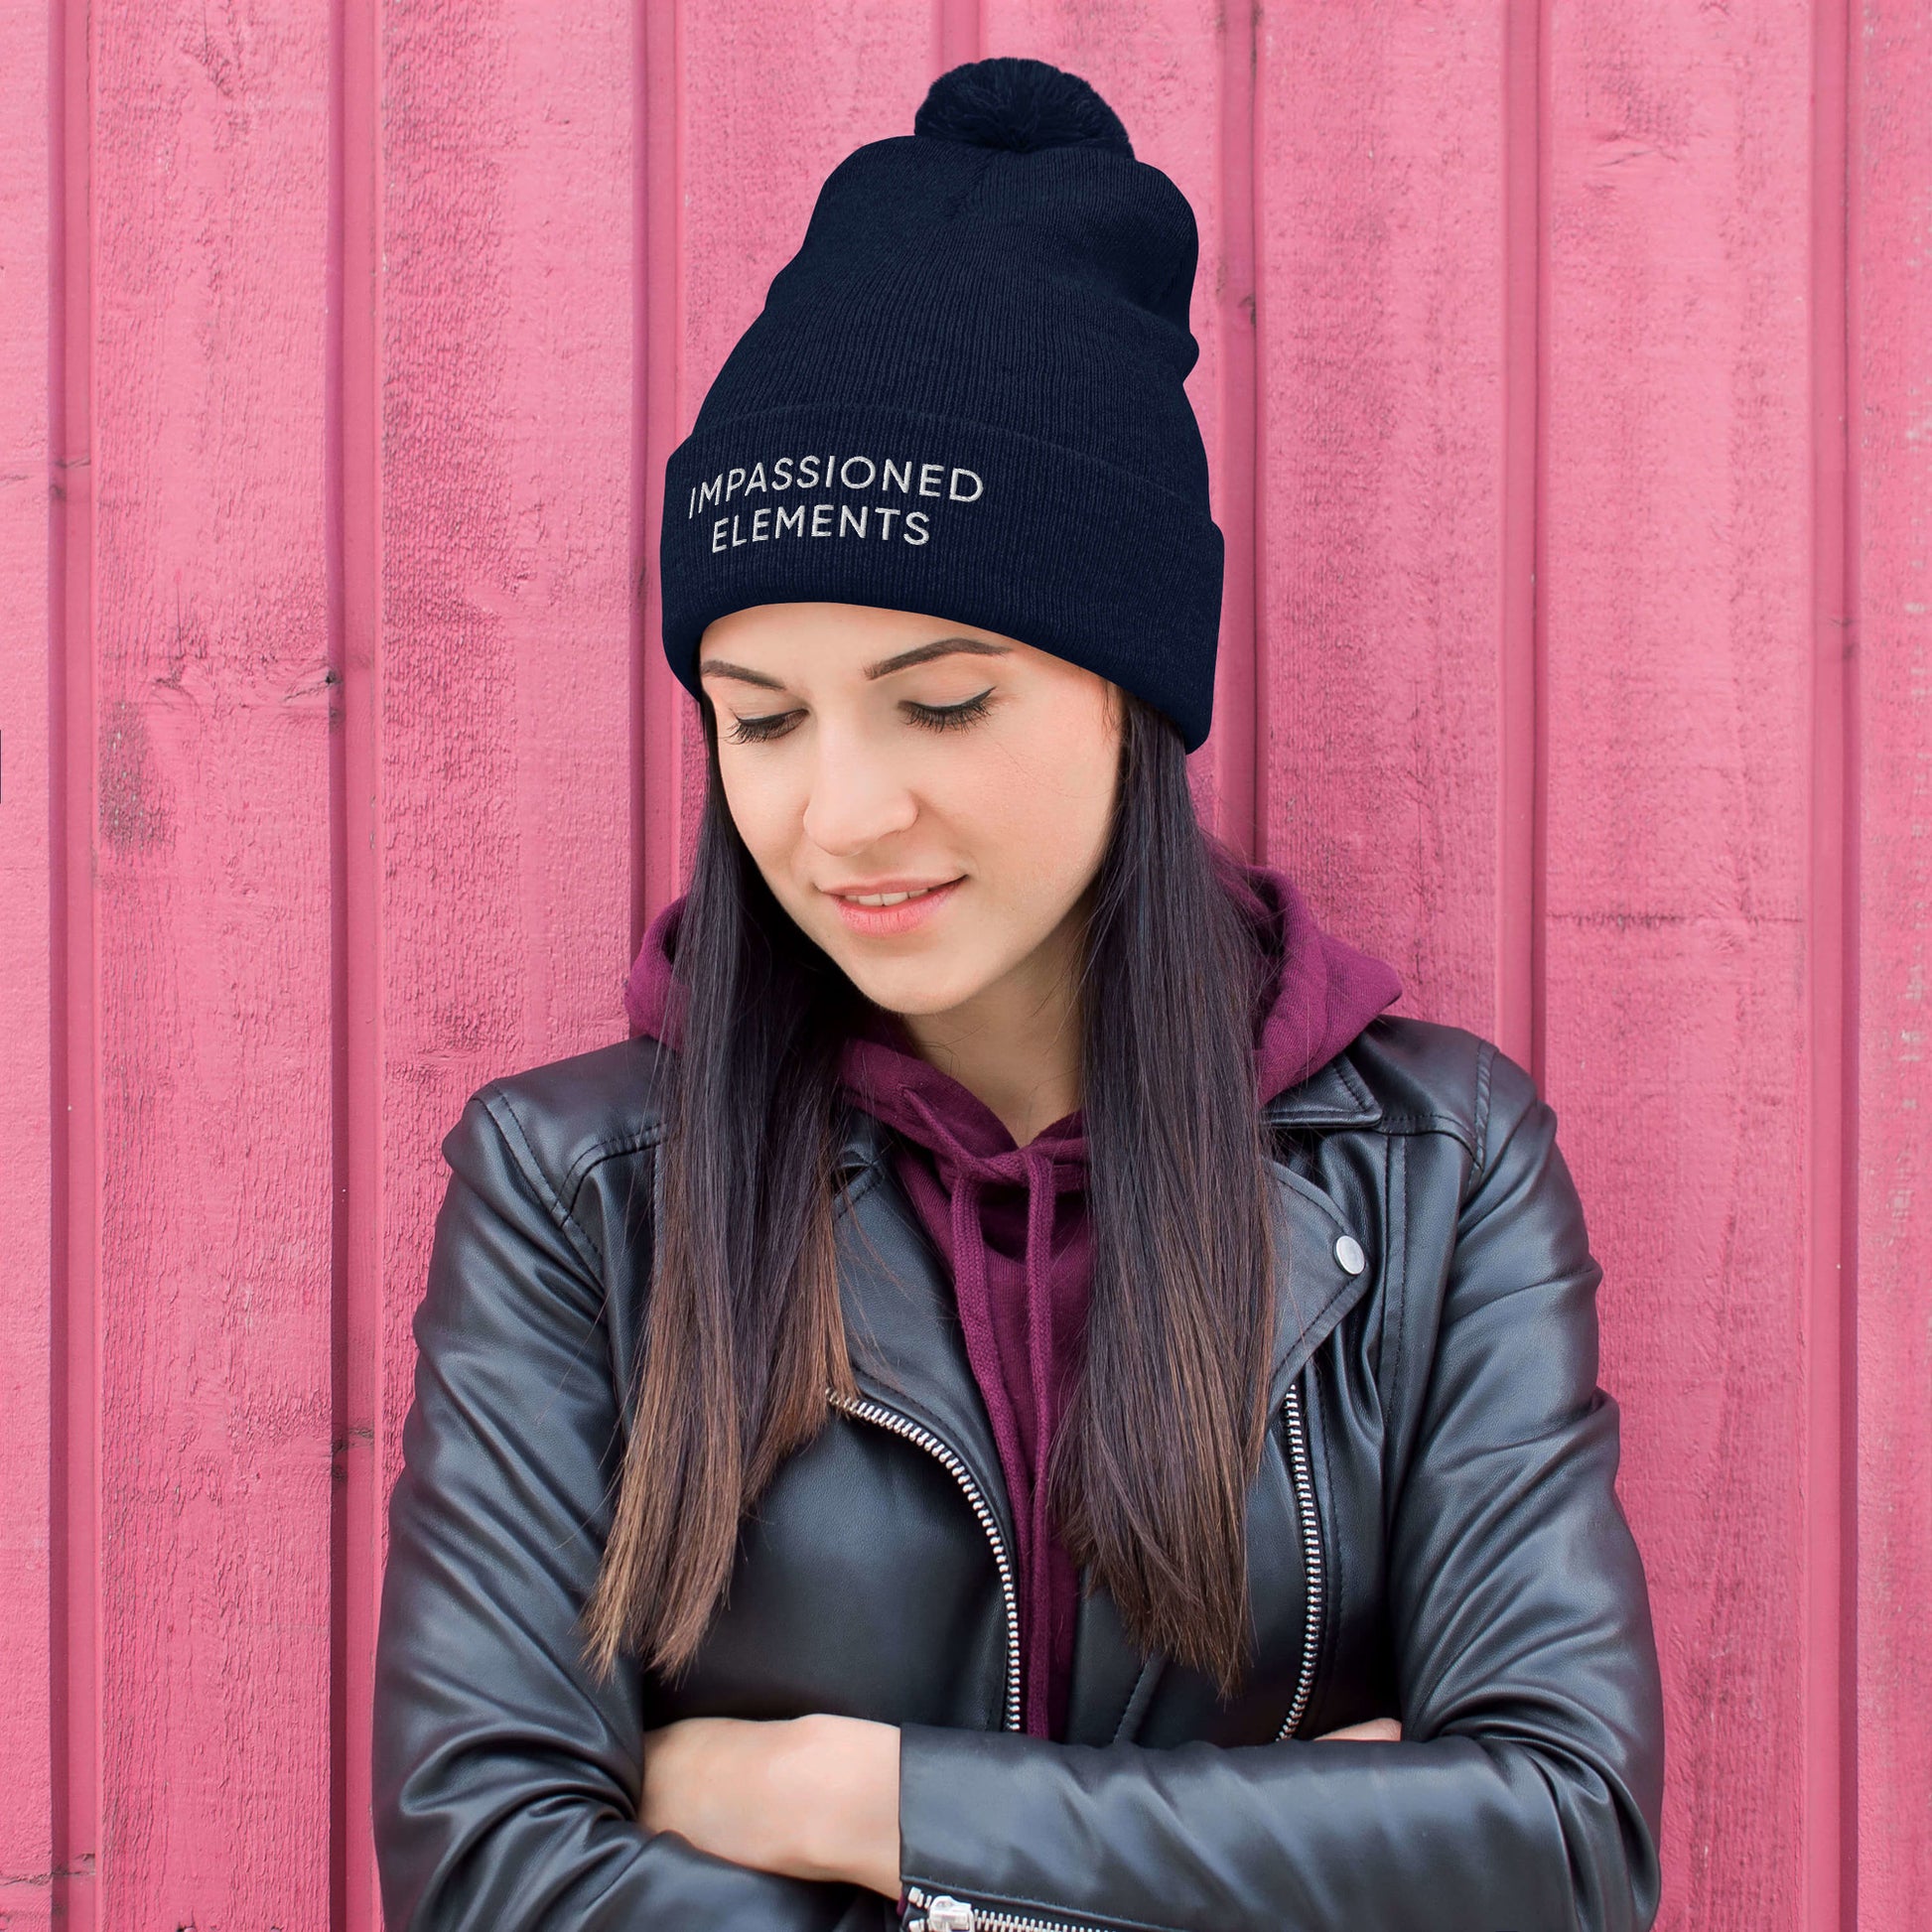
x: 813, y: 471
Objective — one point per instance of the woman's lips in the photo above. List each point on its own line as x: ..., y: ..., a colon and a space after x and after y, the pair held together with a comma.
x: 885, y: 922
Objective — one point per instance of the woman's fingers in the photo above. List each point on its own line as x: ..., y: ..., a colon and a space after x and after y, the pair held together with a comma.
x: 1388, y: 1729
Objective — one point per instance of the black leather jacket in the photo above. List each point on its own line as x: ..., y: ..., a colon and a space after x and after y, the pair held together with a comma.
x: 1434, y: 1536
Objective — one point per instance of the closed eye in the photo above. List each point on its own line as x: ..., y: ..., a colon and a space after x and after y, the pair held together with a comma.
x: 950, y: 716
x: 755, y: 730
x: 929, y: 717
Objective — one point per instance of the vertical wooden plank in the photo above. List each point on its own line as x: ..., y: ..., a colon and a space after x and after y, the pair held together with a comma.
x: 211, y: 873
x: 1679, y: 657
x: 1180, y: 75
x: 1825, y: 1627
x: 357, y: 1312
x: 771, y: 98
x: 73, y: 1608
x: 1381, y: 277
x: 1521, y: 829
x: 499, y: 694
x: 664, y: 715
x: 1891, y: 551
x: 28, y: 184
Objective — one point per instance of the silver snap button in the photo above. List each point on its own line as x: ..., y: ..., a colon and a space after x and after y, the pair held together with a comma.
x: 1349, y: 1251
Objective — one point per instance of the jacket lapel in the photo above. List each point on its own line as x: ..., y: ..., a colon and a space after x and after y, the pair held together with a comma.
x: 900, y: 1318
x: 1316, y: 1290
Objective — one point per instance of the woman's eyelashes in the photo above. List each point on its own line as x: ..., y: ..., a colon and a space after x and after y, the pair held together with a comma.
x: 755, y: 730
x: 950, y: 716
x: 929, y: 717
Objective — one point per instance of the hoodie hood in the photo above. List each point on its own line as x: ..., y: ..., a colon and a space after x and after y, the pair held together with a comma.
x: 1012, y: 1221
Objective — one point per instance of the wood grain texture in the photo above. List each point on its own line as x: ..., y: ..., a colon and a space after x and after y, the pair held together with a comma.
x: 500, y: 687
x: 210, y: 854
x: 28, y: 211
x: 1380, y: 270
x: 1892, y: 501
x: 1678, y: 653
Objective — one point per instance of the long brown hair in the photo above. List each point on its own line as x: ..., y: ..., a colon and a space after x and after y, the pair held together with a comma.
x: 743, y: 1335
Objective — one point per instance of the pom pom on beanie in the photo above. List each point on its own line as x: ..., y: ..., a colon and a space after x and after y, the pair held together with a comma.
x: 964, y: 396
x: 1019, y: 104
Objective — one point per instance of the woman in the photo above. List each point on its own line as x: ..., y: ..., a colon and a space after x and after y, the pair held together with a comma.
x: 1019, y: 1341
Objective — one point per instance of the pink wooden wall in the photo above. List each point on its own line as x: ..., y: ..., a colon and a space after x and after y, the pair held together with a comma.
x: 1565, y: 372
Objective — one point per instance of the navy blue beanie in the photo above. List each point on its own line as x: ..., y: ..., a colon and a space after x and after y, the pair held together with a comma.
x: 964, y: 397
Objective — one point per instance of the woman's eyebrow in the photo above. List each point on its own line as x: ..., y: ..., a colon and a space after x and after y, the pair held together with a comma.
x: 716, y: 667
x: 903, y: 661
x: 940, y: 647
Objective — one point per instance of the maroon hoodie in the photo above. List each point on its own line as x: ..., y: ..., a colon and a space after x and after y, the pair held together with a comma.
x: 1012, y: 1221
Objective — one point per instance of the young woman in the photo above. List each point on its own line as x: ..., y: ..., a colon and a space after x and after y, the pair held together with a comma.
x: 1019, y: 1342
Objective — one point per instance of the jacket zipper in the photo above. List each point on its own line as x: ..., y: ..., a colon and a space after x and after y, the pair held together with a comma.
x: 941, y: 1912
x: 876, y: 1412
x: 1298, y: 1452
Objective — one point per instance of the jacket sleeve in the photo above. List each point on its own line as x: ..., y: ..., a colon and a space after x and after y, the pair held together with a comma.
x: 505, y: 1777
x: 1525, y: 1789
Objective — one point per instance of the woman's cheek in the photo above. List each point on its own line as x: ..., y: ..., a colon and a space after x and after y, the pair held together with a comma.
x: 768, y: 822
x: 1061, y: 800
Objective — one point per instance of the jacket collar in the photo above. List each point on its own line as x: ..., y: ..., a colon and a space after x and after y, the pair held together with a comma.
x: 1335, y: 1095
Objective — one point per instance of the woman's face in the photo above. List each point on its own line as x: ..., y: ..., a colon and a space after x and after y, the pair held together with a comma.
x: 868, y: 753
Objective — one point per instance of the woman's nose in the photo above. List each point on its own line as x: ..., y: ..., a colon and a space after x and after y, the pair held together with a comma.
x: 855, y: 800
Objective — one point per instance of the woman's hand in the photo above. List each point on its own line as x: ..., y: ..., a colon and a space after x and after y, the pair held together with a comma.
x: 805, y: 1798
x: 1388, y: 1729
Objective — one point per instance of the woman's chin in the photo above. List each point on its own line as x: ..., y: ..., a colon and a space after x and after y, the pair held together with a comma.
x: 907, y: 977
x: 913, y: 988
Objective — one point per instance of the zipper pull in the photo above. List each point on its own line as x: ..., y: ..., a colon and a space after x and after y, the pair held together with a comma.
x: 941, y: 1914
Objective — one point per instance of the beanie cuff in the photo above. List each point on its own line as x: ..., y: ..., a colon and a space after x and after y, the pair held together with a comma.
x: 959, y: 520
